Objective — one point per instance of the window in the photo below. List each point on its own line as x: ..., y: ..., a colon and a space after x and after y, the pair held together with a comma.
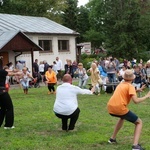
x: 63, y: 45
x: 46, y: 45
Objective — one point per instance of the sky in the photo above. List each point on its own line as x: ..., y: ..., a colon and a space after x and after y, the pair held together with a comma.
x: 82, y: 2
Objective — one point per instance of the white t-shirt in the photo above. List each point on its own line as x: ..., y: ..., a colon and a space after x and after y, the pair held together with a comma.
x: 41, y: 68
x: 55, y: 68
x: 82, y: 74
x: 148, y: 72
x: 25, y: 77
x: 59, y: 64
x: 121, y: 72
x: 66, y: 98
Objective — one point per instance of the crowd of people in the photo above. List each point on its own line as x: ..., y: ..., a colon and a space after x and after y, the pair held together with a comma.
x: 131, y: 77
x: 102, y: 72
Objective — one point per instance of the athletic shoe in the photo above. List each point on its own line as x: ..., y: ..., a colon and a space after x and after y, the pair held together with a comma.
x: 7, y: 128
x: 112, y: 141
x: 49, y: 93
x: 137, y: 147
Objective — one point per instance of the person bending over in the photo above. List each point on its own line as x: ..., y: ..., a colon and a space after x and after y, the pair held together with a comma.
x: 51, y: 80
x: 24, y: 79
x: 117, y: 107
x: 66, y: 104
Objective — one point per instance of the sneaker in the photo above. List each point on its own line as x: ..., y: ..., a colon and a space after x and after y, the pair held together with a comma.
x: 112, y: 141
x: 137, y: 147
x: 49, y: 93
x: 7, y: 128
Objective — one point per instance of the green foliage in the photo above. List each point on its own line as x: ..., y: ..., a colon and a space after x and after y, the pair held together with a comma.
x: 83, y: 24
x: 88, y: 59
x: 43, y: 8
x: 70, y: 14
x: 144, y: 56
x: 95, y: 37
x: 120, y: 25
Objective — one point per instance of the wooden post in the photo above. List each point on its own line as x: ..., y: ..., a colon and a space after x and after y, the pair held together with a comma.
x: 78, y: 55
x: 32, y: 59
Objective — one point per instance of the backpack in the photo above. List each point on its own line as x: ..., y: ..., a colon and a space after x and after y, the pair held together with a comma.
x: 109, y: 89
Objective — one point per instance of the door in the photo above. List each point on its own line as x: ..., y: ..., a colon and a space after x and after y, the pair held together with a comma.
x: 4, y: 59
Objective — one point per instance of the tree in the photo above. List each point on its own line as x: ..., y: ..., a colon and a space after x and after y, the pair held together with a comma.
x: 70, y: 14
x: 42, y: 8
x: 83, y: 24
x: 118, y: 21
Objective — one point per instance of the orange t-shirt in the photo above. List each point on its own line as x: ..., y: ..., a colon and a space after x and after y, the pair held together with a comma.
x: 117, y: 104
x: 51, y: 77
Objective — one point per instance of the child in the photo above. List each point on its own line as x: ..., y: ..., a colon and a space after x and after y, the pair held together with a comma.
x: 117, y: 107
x: 138, y: 78
x: 24, y: 79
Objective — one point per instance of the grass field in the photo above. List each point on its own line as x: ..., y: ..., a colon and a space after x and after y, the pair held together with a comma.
x: 37, y: 128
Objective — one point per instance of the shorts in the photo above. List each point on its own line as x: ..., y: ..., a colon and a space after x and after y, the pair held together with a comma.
x: 130, y: 116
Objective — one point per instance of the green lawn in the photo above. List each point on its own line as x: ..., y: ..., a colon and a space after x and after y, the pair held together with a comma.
x: 37, y: 128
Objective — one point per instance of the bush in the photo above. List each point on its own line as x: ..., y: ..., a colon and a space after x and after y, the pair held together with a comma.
x: 88, y: 59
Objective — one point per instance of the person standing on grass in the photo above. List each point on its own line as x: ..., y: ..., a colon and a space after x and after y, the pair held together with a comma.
x: 66, y: 104
x: 41, y: 69
x: 51, y: 80
x: 35, y: 66
x: 117, y: 107
x: 95, y: 77
x: 83, y: 77
x: 59, y: 68
x: 69, y: 68
x: 6, y: 105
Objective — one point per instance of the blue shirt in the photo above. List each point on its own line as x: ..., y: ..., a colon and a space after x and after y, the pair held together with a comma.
x: 102, y: 73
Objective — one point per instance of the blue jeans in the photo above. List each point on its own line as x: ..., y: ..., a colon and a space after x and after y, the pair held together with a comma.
x: 111, y: 77
x: 25, y: 84
x: 82, y: 83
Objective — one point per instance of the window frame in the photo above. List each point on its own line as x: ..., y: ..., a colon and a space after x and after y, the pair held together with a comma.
x: 50, y: 45
x: 60, y: 45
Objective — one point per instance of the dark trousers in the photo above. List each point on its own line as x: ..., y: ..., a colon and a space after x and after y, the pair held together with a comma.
x: 59, y: 74
x: 6, y: 110
x: 51, y: 87
x: 73, y: 119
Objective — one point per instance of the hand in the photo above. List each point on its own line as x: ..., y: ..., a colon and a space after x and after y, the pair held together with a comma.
x: 34, y: 79
x: 148, y: 95
x: 93, y: 89
x: 143, y: 87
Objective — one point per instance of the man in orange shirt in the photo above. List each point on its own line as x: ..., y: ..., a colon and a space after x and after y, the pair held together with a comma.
x: 117, y: 106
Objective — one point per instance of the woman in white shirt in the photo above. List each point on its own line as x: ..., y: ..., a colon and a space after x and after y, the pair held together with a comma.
x: 41, y: 69
x: 121, y: 73
x: 83, y: 77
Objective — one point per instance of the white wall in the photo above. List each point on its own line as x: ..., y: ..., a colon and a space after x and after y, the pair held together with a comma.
x: 50, y: 57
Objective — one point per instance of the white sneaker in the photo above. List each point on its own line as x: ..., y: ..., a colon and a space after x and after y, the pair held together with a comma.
x: 7, y: 128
